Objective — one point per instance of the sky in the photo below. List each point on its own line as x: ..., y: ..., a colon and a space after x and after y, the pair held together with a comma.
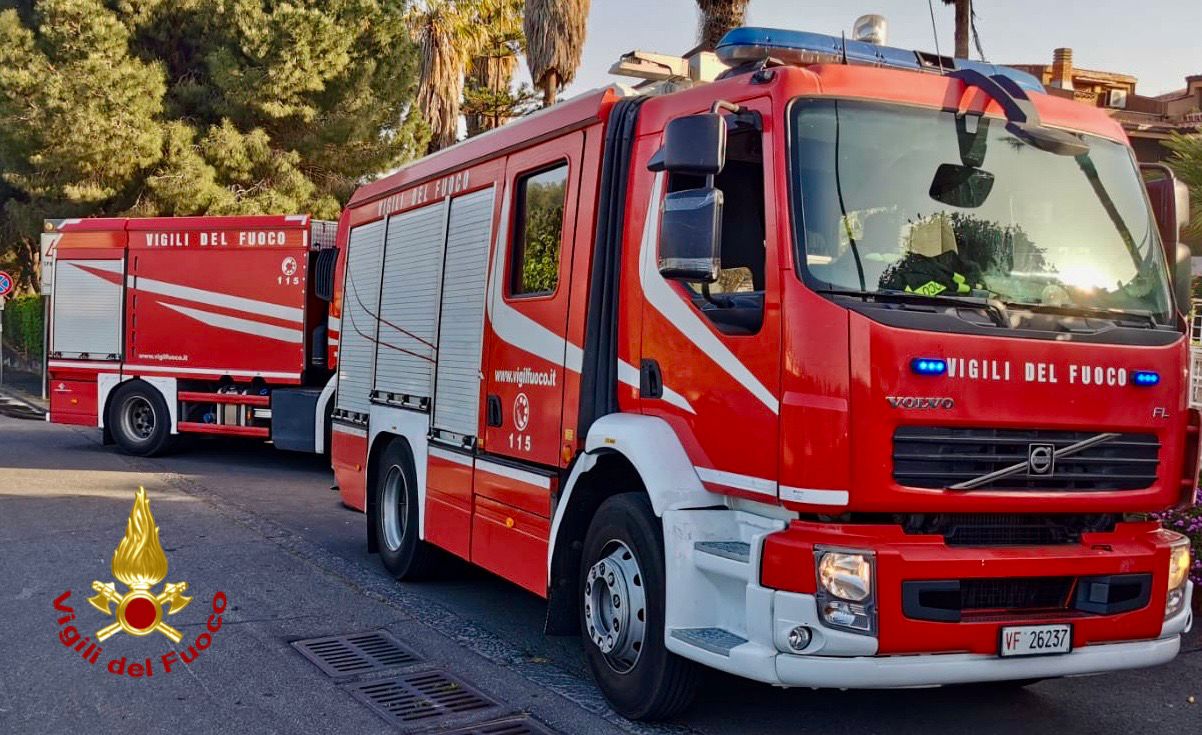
x: 1157, y: 41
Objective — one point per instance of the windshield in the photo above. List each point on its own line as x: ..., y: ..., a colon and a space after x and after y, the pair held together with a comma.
x: 903, y: 199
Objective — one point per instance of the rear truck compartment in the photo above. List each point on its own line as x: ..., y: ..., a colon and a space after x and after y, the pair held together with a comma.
x: 192, y: 325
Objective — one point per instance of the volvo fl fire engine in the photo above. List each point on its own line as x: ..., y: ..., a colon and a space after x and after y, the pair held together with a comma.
x: 853, y: 367
x: 204, y: 325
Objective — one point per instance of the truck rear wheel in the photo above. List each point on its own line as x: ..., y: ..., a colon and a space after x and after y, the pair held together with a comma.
x: 622, y: 585
x: 139, y: 420
x: 395, y: 516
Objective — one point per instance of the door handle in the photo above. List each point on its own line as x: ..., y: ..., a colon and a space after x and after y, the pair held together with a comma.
x: 651, y: 379
x: 493, y: 412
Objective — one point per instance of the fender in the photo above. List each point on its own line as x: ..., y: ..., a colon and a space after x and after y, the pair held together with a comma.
x: 106, y: 383
x: 385, y: 422
x: 650, y: 444
x: 319, y: 416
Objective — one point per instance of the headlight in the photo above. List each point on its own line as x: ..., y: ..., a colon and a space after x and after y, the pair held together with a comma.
x: 1179, y: 562
x: 846, y: 576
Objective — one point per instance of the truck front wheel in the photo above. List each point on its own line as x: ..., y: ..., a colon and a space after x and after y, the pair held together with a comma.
x: 139, y: 420
x: 622, y: 584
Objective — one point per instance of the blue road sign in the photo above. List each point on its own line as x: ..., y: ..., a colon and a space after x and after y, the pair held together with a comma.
x: 6, y: 284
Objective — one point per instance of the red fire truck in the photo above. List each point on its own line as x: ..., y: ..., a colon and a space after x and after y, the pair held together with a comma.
x: 207, y: 325
x: 853, y: 367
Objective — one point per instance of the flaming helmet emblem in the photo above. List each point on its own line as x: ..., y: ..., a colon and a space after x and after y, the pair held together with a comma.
x: 139, y: 562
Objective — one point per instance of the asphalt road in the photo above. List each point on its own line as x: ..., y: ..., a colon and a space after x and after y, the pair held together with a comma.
x: 265, y: 528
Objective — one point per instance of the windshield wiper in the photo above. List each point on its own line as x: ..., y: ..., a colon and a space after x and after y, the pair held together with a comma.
x: 994, y: 308
x: 1087, y: 312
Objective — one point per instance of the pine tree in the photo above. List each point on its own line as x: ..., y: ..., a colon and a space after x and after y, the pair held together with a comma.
x: 177, y: 107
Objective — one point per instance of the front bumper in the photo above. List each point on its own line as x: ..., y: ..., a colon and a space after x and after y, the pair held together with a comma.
x: 925, y: 670
x: 748, y: 608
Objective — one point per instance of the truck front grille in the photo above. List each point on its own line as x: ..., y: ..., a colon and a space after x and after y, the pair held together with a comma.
x: 940, y: 457
x: 1008, y: 529
x: 954, y: 600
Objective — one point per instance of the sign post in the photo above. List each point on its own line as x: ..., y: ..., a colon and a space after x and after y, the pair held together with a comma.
x: 6, y: 287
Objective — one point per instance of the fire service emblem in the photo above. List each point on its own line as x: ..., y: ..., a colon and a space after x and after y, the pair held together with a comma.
x: 139, y: 562
x: 139, y: 566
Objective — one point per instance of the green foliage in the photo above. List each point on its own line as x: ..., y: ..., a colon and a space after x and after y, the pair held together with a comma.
x: 1186, y: 162
x: 23, y: 327
x: 178, y: 107
x: 542, y: 231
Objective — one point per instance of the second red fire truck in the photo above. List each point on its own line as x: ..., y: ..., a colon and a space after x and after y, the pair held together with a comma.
x: 168, y: 326
x: 853, y: 367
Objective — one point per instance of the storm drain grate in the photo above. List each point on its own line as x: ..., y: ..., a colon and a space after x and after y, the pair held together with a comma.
x: 418, y: 696
x: 342, y: 656
x: 519, y: 726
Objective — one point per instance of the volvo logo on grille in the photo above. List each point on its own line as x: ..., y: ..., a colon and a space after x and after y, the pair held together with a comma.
x: 1041, y: 459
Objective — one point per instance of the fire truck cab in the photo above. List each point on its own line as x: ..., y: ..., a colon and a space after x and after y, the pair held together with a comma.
x: 853, y: 367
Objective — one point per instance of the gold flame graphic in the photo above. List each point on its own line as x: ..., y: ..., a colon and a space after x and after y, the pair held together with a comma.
x: 139, y: 560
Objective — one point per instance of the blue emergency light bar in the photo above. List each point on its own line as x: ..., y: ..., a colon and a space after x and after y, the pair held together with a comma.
x: 928, y: 366
x: 1145, y: 378
x: 801, y: 47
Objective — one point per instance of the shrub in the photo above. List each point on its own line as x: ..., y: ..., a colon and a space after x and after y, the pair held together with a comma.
x: 1188, y: 522
x: 23, y: 327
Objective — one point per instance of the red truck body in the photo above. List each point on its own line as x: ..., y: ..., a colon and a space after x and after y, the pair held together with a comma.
x: 785, y: 444
x: 209, y: 315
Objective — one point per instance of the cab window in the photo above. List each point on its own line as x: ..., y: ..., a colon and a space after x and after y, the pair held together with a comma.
x: 534, y: 260
x: 735, y: 303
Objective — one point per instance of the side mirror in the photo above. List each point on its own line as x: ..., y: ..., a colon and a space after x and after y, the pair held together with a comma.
x: 694, y: 144
x: 690, y: 235
x: 1170, y: 205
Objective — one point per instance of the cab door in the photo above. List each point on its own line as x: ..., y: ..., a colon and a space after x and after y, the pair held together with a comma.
x: 710, y: 353
x: 527, y: 307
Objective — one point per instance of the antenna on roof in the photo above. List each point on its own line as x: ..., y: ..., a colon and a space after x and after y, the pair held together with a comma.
x: 935, y: 31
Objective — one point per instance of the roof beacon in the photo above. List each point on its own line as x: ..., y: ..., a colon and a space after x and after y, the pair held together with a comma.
x: 871, y: 28
x: 750, y: 44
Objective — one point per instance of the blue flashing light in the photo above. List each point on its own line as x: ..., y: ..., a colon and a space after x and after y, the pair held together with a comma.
x: 928, y: 366
x: 1145, y: 378
x: 802, y: 47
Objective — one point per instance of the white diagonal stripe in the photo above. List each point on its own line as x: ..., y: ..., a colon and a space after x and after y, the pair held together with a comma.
x: 214, y: 298
x: 682, y: 316
x: 236, y: 324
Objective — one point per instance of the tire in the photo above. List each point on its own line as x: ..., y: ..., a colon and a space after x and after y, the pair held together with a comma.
x: 139, y: 420
x: 639, y: 676
x: 395, y: 516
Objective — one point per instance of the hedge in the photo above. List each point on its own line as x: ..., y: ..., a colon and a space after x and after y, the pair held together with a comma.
x: 23, y: 327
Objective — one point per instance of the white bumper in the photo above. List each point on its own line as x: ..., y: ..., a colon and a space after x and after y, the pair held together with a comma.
x: 891, y: 672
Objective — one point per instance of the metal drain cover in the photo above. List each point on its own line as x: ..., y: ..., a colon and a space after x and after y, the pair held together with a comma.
x: 518, y: 726
x: 342, y: 656
x: 419, y: 696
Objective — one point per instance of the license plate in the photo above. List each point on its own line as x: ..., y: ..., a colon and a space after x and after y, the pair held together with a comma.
x: 1035, y: 640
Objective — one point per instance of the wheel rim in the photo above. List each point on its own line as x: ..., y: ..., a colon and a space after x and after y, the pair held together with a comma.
x: 615, y: 606
x: 137, y: 418
x: 395, y: 508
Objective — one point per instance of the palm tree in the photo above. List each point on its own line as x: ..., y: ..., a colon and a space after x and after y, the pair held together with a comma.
x: 447, y: 35
x: 555, y: 32
x: 718, y: 17
x: 963, y: 25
